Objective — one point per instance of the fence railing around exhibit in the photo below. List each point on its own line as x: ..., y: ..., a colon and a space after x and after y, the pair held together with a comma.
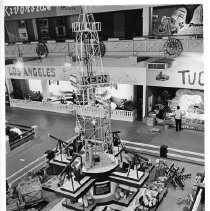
x: 143, y: 45
x: 121, y: 115
x: 34, y: 166
x: 27, y: 135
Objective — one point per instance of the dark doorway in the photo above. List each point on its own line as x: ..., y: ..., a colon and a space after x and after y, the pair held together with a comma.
x: 20, y: 88
x: 17, y: 89
x: 123, y: 24
x: 139, y: 101
x: 133, y: 24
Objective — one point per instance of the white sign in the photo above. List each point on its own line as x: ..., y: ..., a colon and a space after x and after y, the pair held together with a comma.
x: 186, y: 71
x: 118, y: 75
x: 180, y: 79
x: 38, y: 72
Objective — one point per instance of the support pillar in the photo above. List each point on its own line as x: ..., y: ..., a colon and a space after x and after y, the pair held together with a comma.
x: 36, y: 131
x: 45, y: 90
x: 7, y: 145
x: 9, y: 85
x: 35, y: 29
x: 147, y: 21
x: 144, y: 101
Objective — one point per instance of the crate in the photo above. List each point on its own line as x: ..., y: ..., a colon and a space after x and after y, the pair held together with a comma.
x: 30, y: 190
x: 150, y: 121
x: 32, y: 196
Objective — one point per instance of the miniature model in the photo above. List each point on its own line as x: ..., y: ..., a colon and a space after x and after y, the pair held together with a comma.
x: 91, y: 83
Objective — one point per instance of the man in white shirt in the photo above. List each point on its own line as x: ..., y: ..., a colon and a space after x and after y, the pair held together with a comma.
x: 178, y: 119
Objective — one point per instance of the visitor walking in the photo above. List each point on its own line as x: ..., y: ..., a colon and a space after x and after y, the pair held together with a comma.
x: 178, y: 118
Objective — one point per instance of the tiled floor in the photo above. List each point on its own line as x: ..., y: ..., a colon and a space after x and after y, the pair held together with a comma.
x: 62, y: 126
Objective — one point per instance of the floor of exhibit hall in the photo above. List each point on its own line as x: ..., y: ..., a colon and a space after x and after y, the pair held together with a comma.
x: 170, y: 201
x: 62, y: 126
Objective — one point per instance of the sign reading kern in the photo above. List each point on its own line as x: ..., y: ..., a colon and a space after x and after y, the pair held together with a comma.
x: 98, y: 79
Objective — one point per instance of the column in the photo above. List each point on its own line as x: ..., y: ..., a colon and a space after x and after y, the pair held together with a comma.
x: 35, y: 29
x: 144, y: 101
x: 45, y: 90
x: 147, y: 20
x: 9, y: 85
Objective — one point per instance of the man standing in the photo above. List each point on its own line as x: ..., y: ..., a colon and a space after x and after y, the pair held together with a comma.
x: 178, y: 118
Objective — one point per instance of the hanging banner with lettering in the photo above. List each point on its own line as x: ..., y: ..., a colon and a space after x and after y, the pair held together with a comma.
x: 175, y: 20
x: 185, y: 72
x: 113, y: 75
x: 29, y: 12
x: 64, y: 10
x: 39, y: 72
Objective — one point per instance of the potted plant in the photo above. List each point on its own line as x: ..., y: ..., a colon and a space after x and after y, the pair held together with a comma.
x: 129, y: 105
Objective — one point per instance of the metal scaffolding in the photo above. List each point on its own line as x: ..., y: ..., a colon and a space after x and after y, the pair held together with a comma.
x: 93, y: 113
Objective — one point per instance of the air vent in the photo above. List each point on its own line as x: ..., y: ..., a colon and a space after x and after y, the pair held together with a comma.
x: 158, y: 64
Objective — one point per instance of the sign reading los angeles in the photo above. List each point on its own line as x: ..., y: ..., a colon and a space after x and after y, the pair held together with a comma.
x: 33, y: 72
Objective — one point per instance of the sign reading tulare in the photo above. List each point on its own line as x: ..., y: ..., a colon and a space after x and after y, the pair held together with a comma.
x: 93, y: 80
x: 189, y: 79
x: 192, y: 78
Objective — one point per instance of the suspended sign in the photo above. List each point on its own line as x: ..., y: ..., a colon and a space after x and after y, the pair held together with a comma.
x: 29, y: 12
x: 64, y: 10
x: 94, y: 80
x: 30, y: 72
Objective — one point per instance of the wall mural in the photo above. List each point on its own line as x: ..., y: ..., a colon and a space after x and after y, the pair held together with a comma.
x: 177, y: 21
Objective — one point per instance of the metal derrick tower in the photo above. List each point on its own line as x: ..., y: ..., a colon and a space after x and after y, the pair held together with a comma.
x: 93, y: 112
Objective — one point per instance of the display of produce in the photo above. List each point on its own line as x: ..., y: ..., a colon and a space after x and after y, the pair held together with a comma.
x: 149, y: 198
x: 191, y: 103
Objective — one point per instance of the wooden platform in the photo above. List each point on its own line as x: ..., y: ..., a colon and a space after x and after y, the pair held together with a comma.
x: 64, y: 159
x: 101, y: 202
x: 78, y: 193
x: 132, y: 175
x: 67, y: 186
x: 128, y: 181
x: 51, y: 184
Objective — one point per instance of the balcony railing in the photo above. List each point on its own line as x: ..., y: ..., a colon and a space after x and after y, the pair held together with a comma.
x: 142, y: 46
x: 121, y: 115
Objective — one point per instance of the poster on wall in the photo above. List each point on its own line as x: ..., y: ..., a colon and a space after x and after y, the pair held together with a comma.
x: 183, y: 20
x: 102, y: 188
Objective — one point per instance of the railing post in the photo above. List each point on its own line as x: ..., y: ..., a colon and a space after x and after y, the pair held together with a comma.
x: 7, y: 144
x: 36, y: 131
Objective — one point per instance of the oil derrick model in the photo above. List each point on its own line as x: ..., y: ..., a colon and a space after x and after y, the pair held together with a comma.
x: 93, y: 106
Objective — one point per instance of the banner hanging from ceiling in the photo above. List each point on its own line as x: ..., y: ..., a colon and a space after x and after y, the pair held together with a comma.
x: 30, y: 12
x: 177, y: 20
